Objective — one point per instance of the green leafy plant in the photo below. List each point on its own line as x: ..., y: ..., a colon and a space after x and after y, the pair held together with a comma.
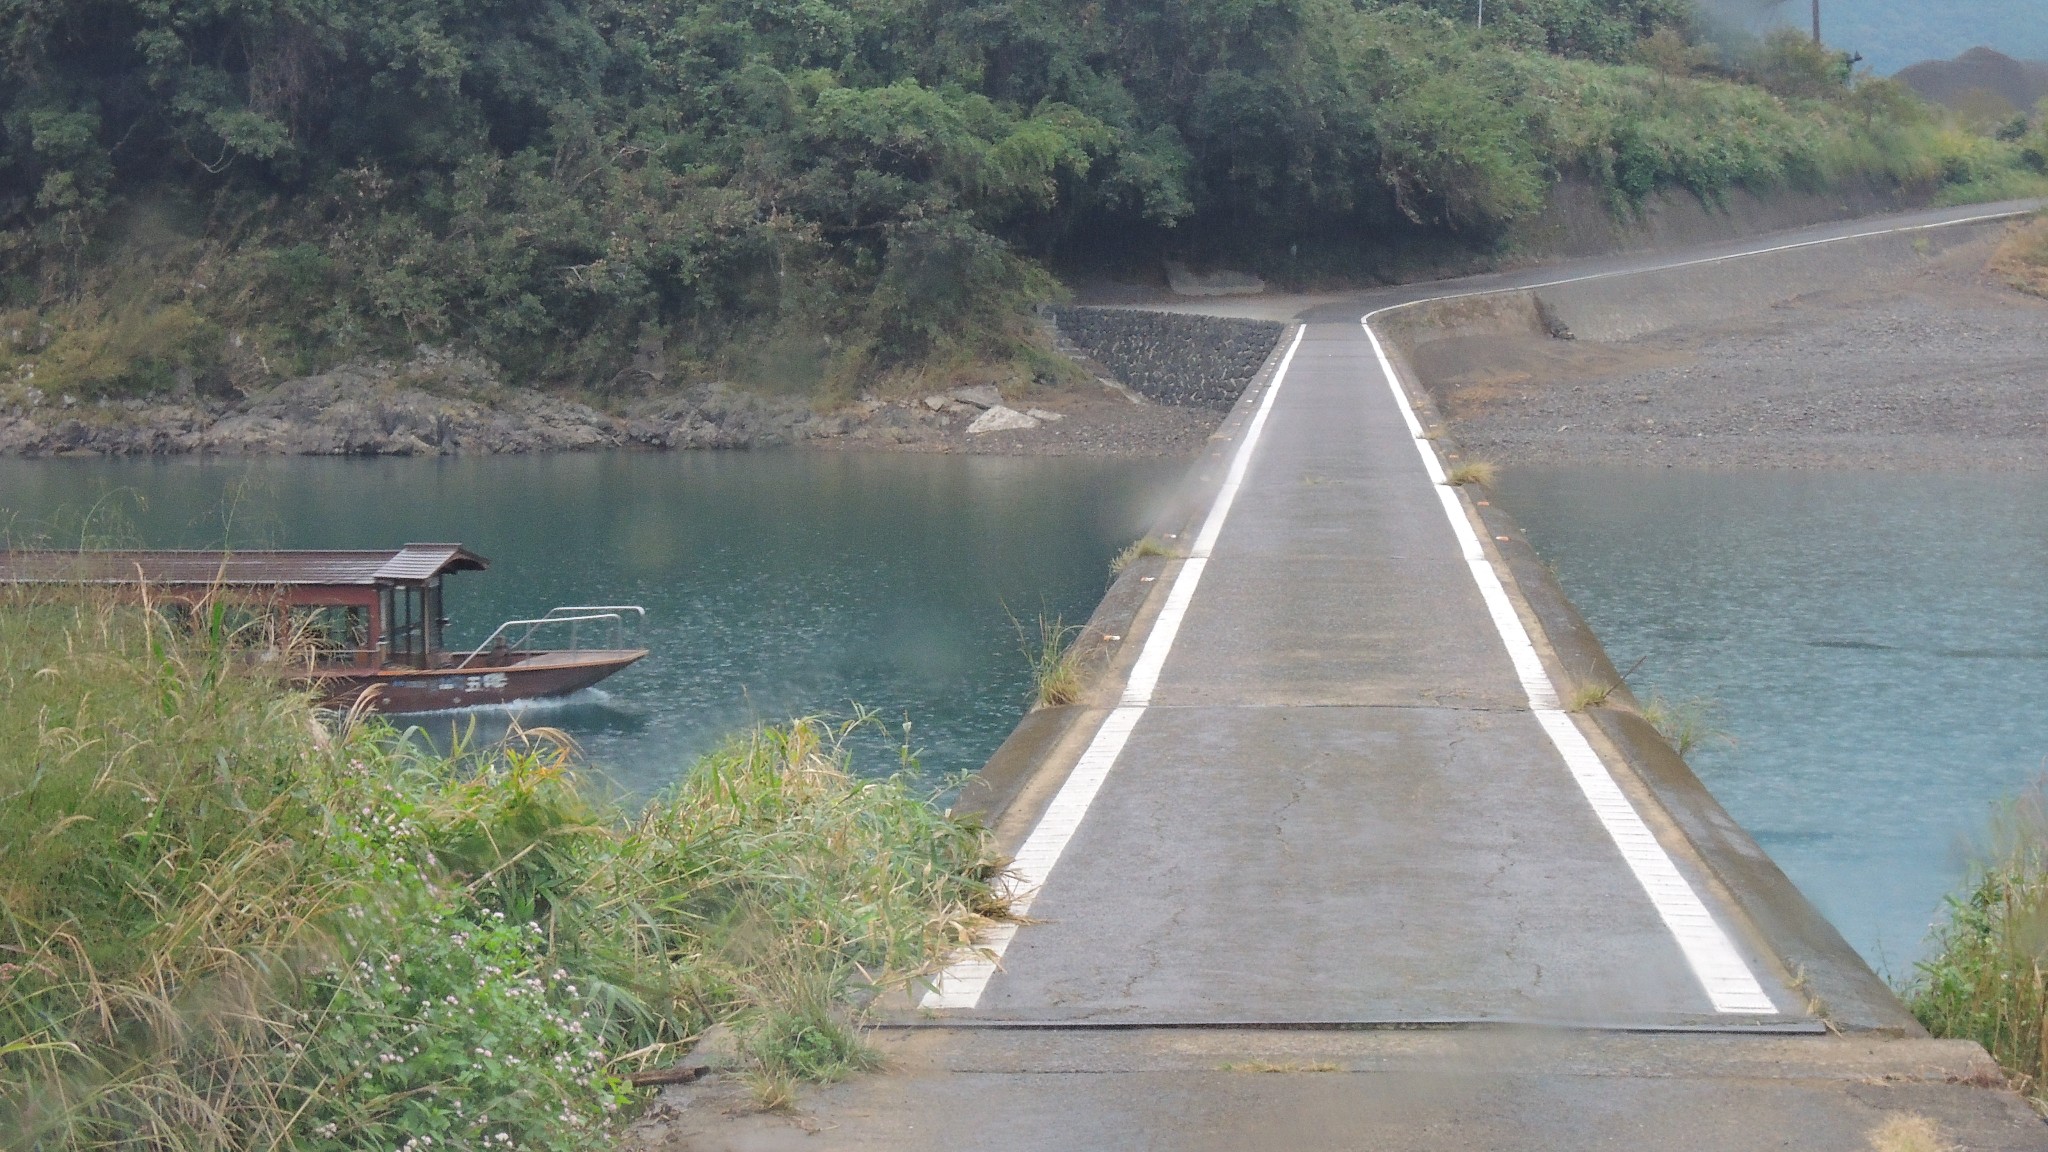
x: 613, y: 197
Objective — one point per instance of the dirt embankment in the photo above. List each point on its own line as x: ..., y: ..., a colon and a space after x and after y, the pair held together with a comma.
x: 1944, y: 366
x: 1182, y: 378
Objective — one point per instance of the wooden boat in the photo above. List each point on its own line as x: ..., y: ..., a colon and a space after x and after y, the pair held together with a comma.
x: 368, y: 625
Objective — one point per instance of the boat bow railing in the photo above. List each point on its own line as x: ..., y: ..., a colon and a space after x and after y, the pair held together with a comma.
x: 515, y: 635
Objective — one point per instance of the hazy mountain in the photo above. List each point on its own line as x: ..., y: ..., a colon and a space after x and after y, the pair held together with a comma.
x: 1892, y: 34
x: 1965, y: 80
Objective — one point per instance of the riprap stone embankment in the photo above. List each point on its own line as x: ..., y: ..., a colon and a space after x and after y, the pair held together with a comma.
x: 1200, y: 361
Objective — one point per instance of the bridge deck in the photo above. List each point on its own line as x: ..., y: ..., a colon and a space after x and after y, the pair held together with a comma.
x: 1338, y: 806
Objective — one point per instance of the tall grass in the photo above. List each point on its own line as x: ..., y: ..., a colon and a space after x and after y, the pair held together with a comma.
x: 1057, y: 675
x: 225, y: 923
x: 1687, y: 724
x: 1987, y: 979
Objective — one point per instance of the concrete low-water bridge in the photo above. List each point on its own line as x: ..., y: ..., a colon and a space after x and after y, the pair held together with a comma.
x: 1330, y: 860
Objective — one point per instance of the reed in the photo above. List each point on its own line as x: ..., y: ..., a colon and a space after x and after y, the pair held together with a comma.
x: 227, y: 923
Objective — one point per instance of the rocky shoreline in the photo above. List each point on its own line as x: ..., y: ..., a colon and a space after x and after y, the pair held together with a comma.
x: 1181, y: 377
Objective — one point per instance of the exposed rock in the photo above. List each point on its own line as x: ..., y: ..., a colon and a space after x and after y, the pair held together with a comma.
x: 436, y: 403
x: 440, y: 402
x: 979, y: 395
x: 1001, y: 419
x: 718, y: 1049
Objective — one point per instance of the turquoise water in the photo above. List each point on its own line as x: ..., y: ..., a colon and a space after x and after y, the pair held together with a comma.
x: 1874, y: 645
x: 776, y: 583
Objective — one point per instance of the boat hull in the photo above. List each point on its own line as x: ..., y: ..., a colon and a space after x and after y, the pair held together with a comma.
x: 535, y: 676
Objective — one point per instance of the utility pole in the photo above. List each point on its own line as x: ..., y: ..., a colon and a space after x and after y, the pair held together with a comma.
x: 1816, y: 21
x: 1482, y: 12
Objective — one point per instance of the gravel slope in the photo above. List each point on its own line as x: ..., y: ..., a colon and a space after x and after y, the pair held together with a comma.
x: 1947, y: 370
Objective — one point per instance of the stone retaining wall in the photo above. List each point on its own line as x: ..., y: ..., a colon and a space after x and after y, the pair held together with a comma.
x: 1194, y: 361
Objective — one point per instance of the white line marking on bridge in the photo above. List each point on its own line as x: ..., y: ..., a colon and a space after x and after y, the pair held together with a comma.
x: 962, y: 981
x: 1729, y: 983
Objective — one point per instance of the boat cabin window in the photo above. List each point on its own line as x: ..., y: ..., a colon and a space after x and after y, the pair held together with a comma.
x: 335, y: 634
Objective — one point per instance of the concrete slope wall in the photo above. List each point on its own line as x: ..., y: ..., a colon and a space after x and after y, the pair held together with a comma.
x: 1612, y: 308
x: 1577, y: 220
x: 1622, y: 307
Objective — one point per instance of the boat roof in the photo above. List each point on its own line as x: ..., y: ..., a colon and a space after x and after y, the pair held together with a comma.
x: 412, y: 564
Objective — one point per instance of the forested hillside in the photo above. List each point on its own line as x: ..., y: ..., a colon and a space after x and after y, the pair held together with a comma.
x: 216, y: 194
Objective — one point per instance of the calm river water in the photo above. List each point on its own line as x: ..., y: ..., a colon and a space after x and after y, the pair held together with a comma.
x: 1875, y: 646
x: 776, y: 583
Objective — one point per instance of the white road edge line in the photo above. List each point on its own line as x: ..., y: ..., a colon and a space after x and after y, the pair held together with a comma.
x: 1980, y: 218
x: 1727, y: 979
x: 961, y: 983
x: 1729, y: 983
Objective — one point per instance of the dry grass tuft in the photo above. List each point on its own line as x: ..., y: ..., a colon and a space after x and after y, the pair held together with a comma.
x: 2022, y: 259
x: 1909, y: 1132
x: 1137, y: 550
x: 1589, y: 696
x: 1475, y: 472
